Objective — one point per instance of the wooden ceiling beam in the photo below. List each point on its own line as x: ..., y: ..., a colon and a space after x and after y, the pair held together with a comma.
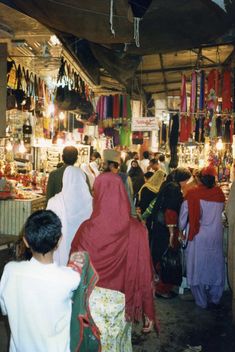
x: 176, y: 68
x: 229, y: 59
x: 163, y: 91
x: 159, y: 83
x: 199, y: 53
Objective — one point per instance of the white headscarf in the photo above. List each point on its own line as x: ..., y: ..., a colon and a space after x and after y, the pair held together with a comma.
x: 95, y: 169
x: 73, y: 205
x: 91, y: 176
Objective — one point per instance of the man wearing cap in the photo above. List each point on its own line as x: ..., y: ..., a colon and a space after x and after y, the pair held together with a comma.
x: 111, y: 159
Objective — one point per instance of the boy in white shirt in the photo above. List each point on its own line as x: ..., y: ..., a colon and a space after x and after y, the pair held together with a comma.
x: 36, y: 294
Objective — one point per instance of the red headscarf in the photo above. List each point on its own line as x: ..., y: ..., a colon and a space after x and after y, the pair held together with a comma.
x: 193, y: 197
x: 118, y: 247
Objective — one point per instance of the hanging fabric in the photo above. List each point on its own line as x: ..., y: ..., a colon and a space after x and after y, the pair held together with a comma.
x: 226, y: 91
x: 183, y: 110
x: 212, y: 89
x: 199, y: 131
x: 193, y: 103
x: 202, y: 91
x: 173, y: 139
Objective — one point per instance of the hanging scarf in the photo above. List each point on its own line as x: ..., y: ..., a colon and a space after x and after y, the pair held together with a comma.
x: 226, y: 92
x: 193, y: 92
x: 183, y: 96
x: 193, y: 197
x: 183, y: 109
x: 154, y: 183
x: 118, y: 247
x: 193, y: 100
x: 202, y: 91
x: 212, y: 89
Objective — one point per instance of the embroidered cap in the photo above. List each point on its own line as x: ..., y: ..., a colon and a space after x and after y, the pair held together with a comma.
x: 111, y: 155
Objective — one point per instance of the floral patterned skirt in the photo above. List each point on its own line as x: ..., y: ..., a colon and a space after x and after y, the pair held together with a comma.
x: 108, y: 311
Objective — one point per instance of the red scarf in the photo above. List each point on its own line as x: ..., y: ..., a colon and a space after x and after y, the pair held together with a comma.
x: 193, y: 197
x: 118, y: 247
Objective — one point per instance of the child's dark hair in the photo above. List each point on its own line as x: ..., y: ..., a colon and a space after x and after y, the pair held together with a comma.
x: 43, y: 231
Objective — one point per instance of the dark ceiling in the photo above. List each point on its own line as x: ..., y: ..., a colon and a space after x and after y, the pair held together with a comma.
x: 165, y: 26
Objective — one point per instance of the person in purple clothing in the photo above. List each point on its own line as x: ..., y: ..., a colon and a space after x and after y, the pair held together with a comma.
x: 201, y: 217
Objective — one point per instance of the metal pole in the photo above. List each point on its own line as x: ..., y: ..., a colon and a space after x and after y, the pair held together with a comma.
x: 3, y: 88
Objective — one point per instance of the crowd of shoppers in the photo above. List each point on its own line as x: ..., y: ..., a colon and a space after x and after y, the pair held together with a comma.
x: 112, y: 226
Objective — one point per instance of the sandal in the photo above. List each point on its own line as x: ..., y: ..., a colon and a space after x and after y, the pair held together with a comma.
x: 148, y: 326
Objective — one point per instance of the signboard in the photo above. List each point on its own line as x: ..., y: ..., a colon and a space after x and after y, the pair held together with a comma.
x: 144, y: 124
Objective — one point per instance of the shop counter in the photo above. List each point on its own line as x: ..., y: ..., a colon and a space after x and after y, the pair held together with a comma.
x: 13, y: 214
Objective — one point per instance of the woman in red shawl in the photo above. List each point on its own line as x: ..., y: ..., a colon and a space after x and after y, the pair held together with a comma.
x: 119, y: 251
x: 201, y: 217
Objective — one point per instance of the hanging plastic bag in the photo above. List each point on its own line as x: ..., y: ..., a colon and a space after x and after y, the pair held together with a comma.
x: 171, y: 267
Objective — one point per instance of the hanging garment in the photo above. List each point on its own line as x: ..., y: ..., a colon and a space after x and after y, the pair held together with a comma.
x: 128, y: 103
x: 173, y: 140
x: 219, y: 126
x: 202, y: 91
x: 116, y: 106
x: 212, y: 89
x: 227, y: 124
x: 183, y: 95
x: 125, y: 136
x: 110, y: 106
x: 174, y: 130
x: 197, y: 130
x: 163, y: 133
x: 213, y: 131
x: 121, y: 106
x: 183, y: 109
x: 185, y: 128
x: 193, y: 101
x: 226, y: 92
x: 124, y: 106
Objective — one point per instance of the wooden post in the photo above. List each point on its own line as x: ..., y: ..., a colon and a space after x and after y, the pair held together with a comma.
x: 3, y: 88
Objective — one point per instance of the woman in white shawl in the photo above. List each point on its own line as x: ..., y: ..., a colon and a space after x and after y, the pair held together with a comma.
x: 73, y: 205
x: 90, y: 174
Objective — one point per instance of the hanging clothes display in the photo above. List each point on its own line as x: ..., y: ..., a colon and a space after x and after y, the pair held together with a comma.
x: 185, y: 125
x: 226, y: 91
x: 173, y: 139
x: 213, y: 130
x: 219, y: 126
x: 193, y: 102
x: 199, y: 127
x: 227, y: 125
x: 114, y: 111
x: 212, y: 89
